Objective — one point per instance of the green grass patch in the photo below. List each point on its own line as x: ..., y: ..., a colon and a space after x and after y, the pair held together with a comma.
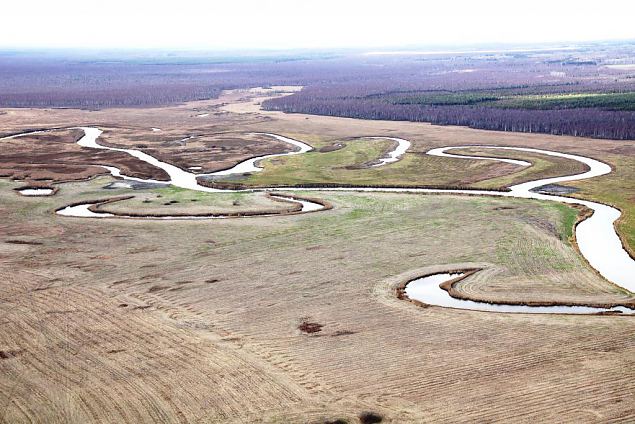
x: 568, y: 218
x: 616, y: 189
x: 445, y: 98
x: 608, y: 101
x: 316, y: 167
x: 507, y: 99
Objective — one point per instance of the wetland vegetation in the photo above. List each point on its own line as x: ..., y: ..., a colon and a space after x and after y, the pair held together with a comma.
x: 266, y: 318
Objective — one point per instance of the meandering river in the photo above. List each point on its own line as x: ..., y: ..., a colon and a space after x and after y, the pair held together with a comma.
x: 427, y: 290
x: 596, y: 236
x: 84, y: 210
x: 395, y: 154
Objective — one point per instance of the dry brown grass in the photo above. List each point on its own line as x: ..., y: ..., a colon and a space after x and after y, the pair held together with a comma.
x: 135, y: 321
x: 211, y: 149
x: 189, y: 203
x: 124, y: 321
x: 56, y: 157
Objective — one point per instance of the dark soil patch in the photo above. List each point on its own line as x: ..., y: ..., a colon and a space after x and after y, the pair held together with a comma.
x: 370, y: 418
x: 310, y: 327
x: 30, y: 243
x: 332, y: 147
x: 343, y: 333
x: 8, y: 354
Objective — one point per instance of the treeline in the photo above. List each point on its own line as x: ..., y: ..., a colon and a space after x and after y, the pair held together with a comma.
x: 558, y: 100
x: 94, y: 99
x: 594, y: 123
x: 606, y: 101
x: 54, y: 82
x: 506, y: 92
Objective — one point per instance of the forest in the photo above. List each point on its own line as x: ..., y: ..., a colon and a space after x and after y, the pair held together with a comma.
x: 593, y: 122
x: 582, y: 91
x: 562, y: 93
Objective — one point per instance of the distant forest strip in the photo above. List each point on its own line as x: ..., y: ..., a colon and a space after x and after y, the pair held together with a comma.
x: 29, y: 80
x: 606, y: 101
x: 82, y: 98
x: 584, y: 120
x: 572, y: 92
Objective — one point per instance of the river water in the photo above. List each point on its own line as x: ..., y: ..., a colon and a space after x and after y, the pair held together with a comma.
x: 595, y: 236
x: 427, y: 290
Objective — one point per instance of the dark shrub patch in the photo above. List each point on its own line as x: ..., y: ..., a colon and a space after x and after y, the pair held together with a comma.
x: 310, y: 327
x: 7, y: 354
x: 370, y: 418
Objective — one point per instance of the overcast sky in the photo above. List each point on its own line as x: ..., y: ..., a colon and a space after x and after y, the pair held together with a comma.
x: 277, y: 24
